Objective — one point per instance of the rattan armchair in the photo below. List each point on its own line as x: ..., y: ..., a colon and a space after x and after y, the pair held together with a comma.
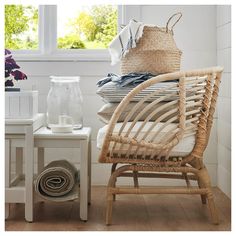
x: 188, y: 109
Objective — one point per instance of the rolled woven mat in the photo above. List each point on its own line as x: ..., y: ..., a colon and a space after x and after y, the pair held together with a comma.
x: 58, y: 181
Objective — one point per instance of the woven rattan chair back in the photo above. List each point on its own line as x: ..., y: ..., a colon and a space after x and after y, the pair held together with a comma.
x: 190, y: 99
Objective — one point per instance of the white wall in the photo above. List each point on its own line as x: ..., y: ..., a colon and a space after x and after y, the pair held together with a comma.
x: 194, y: 33
x: 224, y: 101
x: 195, y: 36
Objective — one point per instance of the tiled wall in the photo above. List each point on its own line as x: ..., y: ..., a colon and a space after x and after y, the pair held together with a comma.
x: 224, y: 101
x: 195, y: 36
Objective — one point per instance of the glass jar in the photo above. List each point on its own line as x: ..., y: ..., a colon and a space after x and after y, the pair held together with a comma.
x: 64, y: 103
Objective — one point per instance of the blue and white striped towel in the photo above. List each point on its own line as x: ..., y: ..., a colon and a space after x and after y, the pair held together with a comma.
x: 126, y: 39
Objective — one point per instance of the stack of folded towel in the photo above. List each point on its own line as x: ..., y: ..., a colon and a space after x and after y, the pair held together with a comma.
x: 114, y: 88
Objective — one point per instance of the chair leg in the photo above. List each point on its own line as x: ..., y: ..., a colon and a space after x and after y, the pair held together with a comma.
x: 113, y: 168
x: 186, y: 179
x: 205, y: 182
x: 110, y: 198
x: 111, y: 185
x: 109, y: 207
x: 135, y: 177
x: 203, y: 196
x: 212, y: 208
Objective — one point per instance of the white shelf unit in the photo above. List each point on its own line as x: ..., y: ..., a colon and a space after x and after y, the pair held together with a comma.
x: 19, y: 135
x: 81, y: 139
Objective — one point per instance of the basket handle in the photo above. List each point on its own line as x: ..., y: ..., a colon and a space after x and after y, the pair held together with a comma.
x: 179, y: 14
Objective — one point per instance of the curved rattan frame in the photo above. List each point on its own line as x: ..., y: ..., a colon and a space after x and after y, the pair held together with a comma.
x: 190, y: 167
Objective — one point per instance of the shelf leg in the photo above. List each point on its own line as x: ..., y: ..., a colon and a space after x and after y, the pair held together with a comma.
x: 84, y: 180
x: 29, y: 171
x: 7, y: 173
x: 40, y: 159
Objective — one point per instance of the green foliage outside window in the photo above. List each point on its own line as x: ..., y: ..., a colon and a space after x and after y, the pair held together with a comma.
x: 97, y: 27
x: 106, y: 21
x: 70, y: 42
x: 21, y: 27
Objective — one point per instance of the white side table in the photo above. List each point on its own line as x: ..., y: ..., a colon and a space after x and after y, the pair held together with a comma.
x: 44, y: 138
x: 19, y: 136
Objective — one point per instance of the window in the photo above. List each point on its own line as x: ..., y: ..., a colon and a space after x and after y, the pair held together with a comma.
x: 60, y: 31
x: 86, y: 27
x: 21, y: 27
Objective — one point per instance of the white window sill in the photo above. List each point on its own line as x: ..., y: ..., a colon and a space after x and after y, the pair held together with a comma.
x: 92, y: 55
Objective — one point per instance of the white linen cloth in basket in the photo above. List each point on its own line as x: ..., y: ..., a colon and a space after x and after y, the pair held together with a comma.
x: 125, y: 40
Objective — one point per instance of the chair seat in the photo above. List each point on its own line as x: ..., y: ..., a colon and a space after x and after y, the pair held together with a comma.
x: 183, y: 148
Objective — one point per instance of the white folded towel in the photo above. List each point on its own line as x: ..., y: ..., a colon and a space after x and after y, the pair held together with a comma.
x: 126, y: 39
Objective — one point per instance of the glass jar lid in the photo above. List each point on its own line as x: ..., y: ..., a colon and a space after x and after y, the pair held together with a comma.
x: 65, y: 79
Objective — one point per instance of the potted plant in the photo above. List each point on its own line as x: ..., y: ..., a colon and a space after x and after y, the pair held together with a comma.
x: 18, y: 104
x: 12, y: 73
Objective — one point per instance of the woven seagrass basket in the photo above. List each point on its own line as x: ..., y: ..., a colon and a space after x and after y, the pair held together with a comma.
x: 156, y: 51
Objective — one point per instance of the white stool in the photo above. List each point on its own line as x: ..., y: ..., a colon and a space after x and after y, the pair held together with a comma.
x: 19, y: 142
x: 44, y: 138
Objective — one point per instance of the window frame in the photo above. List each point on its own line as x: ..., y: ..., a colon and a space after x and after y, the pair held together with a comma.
x: 47, y: 36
